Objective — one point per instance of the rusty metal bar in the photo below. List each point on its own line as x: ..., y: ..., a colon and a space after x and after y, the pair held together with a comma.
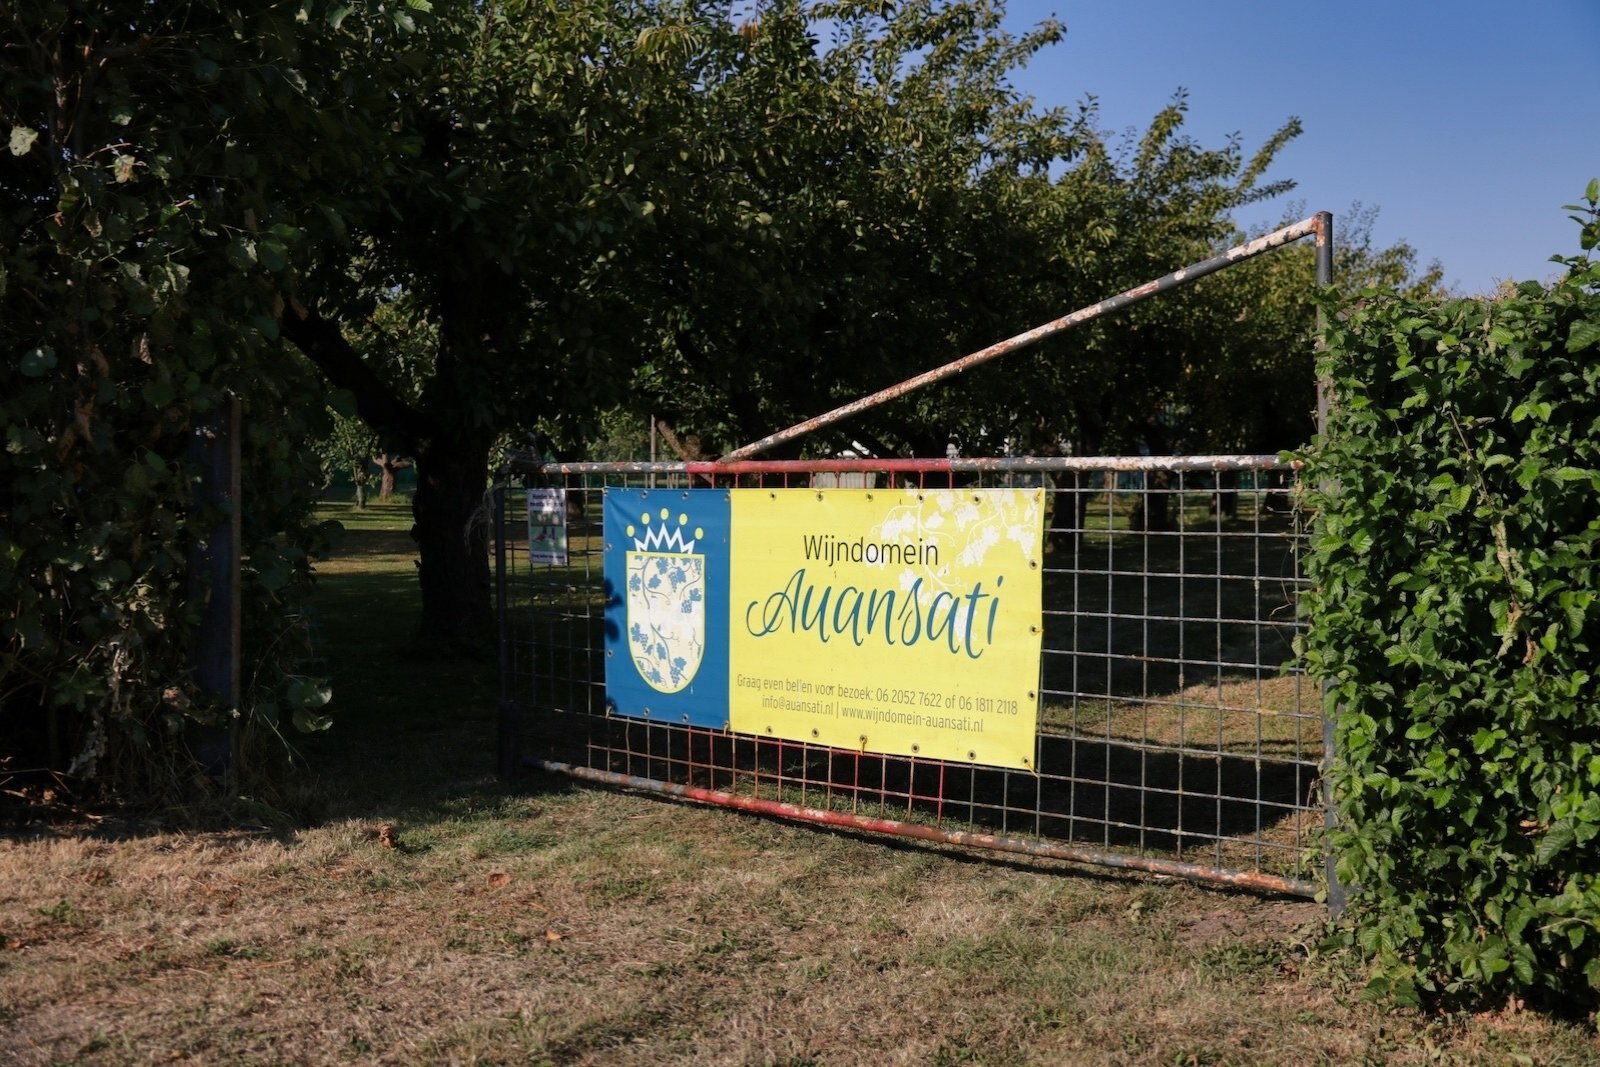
x: 1183, y: 276
x: 523, y: 463
x: 1255, y: 880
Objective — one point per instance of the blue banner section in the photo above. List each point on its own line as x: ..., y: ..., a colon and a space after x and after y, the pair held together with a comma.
x: 666, y: 582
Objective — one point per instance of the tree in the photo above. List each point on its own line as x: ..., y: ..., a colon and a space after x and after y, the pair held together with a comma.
x: 936, y: 228
x: 347, y: 449
x: 400, y: 349
x: 729, y: 226
x: 879, y: 184
x: 1237, y: 363
x: 518, y: 169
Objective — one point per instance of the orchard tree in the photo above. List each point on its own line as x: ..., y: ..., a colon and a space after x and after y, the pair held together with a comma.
x: 1124, y: 214
x: 1245, y: 379
x: 529, y: 148
x: 716, y: 218
x: 878, y: 183
x: 563, y: 189
x: 896, y: 204
x: 400, y: 349
x: 347, y: 450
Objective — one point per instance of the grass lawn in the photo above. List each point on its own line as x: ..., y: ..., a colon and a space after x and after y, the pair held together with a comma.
x: 417, y: 910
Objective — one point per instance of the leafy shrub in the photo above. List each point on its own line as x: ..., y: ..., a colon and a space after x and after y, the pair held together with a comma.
x: 1453, y: 614
x: 135, y: 240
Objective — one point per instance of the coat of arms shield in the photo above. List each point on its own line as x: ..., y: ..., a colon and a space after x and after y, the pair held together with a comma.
x: 666, y: 599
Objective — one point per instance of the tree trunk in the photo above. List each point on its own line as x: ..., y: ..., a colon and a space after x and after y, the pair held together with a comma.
x: 1226, y: 502
x: 388, y: 467
x: 452, y: 534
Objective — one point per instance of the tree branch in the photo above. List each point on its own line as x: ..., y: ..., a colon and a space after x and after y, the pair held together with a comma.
x: 377, y: 404
x: 688, y: 451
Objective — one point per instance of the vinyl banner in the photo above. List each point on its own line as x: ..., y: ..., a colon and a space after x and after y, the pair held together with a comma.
x: 891, y: 621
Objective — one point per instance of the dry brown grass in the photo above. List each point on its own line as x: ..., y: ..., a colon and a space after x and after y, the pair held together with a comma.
x: 580, y: 926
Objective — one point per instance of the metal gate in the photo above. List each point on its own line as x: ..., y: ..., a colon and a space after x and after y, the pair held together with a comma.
x: 1176, y: 733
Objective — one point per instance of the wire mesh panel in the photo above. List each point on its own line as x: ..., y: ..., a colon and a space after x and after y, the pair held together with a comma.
x: 1175, y: 732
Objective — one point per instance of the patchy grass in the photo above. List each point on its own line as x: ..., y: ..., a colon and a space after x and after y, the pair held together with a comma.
x: 1272, y: 716
x: 427, y: 913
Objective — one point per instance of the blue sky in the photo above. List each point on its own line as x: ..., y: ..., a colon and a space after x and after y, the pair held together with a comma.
x: 1467, y: 124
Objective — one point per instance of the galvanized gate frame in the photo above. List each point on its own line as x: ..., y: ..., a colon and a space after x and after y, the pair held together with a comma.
x: 1075, y: 478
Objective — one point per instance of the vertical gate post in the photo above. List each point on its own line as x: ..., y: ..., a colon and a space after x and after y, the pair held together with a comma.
x: 1337, y: 896
x: 506, y: 723
x: 509, y: 712
x: 1324, y: 245
x: 214, y: 582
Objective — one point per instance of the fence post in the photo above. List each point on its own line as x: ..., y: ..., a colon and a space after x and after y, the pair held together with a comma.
x: 1324, y: 246
x: 506, y: 733
x: 1337, y: 895
x: 214, y: 583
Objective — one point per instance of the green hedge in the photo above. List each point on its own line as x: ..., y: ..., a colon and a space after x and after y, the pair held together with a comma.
x: 137, y: 236
x: 1456, y: 503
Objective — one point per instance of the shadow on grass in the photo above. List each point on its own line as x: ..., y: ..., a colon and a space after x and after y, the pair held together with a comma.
x: 409, y: 728
x: 1099, y: 794
x: 363, y: 544
x: 379, y: 529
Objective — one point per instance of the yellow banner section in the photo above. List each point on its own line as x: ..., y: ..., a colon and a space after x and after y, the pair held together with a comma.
x: 893, y: 621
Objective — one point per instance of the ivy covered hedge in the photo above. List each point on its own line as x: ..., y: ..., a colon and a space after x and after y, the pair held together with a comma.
x: 1455, y: 572
x: 137, y: 234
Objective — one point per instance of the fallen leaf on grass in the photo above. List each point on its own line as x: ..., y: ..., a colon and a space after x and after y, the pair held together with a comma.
x: 128, y: 952
x: 386, y: 835
x: 499, y: 878
x: 551, y: 937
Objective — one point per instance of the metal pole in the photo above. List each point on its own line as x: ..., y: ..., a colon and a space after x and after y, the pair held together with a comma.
x: 214, y: 584
x: 1256, y: 880
x: 506, y: 732
x: 1276, y: 239
x: 525, y: 463
x: 1324, y: 220
x: 1338, y: 896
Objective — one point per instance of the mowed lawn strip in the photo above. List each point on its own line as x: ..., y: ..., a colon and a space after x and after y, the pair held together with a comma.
x: 425, y: 912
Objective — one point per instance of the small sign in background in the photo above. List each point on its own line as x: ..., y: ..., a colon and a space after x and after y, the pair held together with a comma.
x: 547, y: 526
